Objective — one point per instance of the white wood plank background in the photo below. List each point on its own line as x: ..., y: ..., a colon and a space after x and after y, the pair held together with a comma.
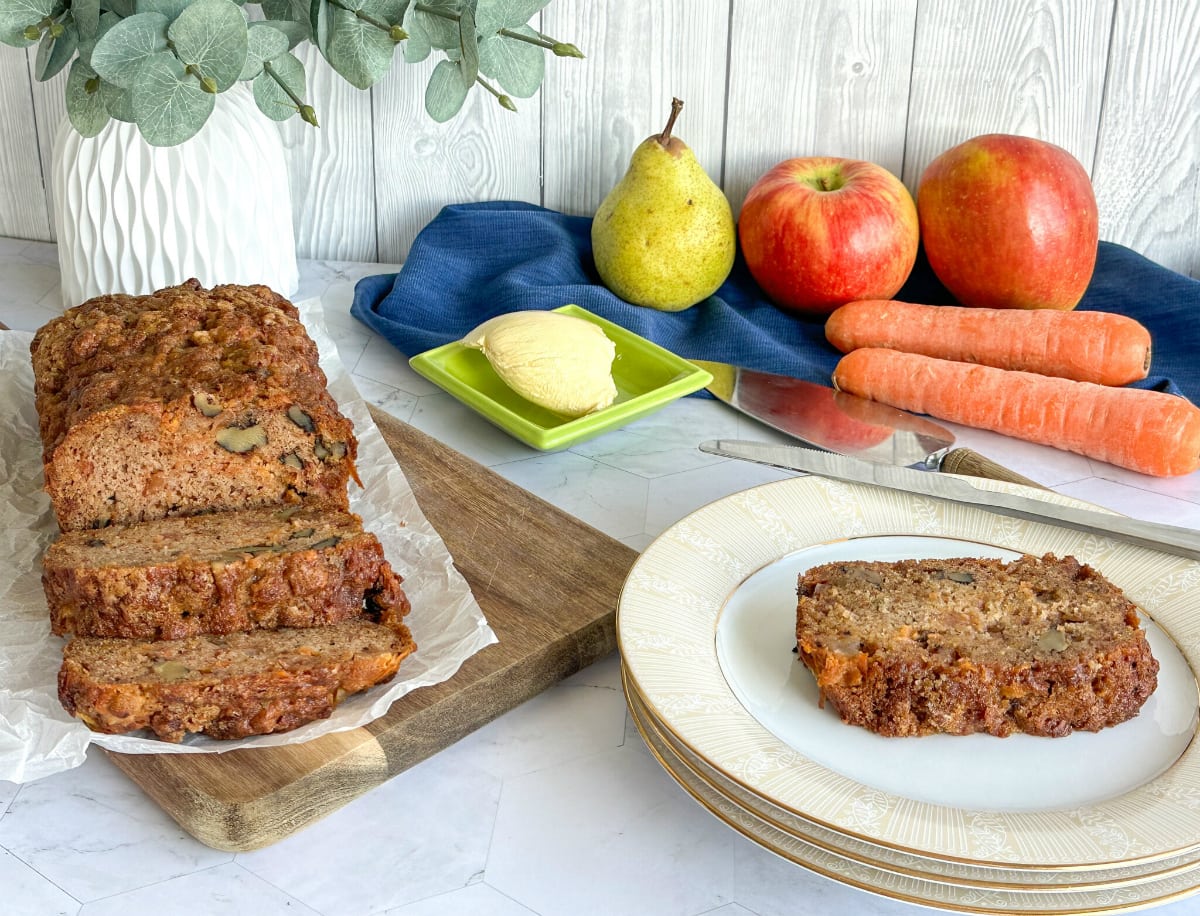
x: 1116, y: 82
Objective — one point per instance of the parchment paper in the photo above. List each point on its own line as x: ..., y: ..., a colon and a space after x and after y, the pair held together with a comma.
x: 38, y: 738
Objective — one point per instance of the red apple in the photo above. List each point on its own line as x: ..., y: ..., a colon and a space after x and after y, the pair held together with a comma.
x: 1009, y: 222
x: 819, y: 232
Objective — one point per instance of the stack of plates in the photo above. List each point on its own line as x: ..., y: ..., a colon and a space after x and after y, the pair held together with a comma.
x: 1089, y: 823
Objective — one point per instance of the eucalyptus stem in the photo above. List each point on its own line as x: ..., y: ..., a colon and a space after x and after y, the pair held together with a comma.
x: 504, y: 100
x: 395, y: 32
x: 307, y: 113
x: 559, y: 48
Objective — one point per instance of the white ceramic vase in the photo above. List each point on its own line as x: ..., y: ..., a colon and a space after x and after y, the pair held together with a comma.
x: 133, y: 218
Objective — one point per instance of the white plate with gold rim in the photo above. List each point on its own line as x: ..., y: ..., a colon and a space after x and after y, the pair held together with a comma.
x: 883, y: 857
x: 1065, y: 901
x: 727, y: 562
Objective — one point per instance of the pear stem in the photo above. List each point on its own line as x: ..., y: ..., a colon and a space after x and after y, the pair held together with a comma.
x: 676, y: 107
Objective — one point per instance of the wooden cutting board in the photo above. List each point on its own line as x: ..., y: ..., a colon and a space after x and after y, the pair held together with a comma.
x: 548, y: 585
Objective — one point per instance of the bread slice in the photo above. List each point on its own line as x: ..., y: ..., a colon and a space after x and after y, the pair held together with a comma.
x: 217, y: 573
x: 184, y: 401
x: 229, y: 686
x: 1038, y: 645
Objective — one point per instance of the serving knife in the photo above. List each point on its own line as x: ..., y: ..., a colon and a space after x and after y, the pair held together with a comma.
x: 1182, y: 542
x: 833, y: 420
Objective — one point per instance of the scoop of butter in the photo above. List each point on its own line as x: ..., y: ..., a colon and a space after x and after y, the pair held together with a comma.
x: 557, y: 361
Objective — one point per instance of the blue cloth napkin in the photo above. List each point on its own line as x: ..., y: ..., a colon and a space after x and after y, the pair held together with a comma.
x: 477, y: 260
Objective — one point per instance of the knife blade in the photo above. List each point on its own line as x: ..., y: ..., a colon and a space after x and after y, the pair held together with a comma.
x: 1182, y: 542
x: 821, y: 416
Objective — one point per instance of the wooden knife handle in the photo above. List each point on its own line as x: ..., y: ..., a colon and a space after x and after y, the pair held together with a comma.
x: 973, y: 464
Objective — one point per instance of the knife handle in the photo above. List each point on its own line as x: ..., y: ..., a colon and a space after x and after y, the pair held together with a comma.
x: 971, y: 463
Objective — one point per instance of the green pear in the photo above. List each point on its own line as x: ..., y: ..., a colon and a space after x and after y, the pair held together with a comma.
x: 664, y: 236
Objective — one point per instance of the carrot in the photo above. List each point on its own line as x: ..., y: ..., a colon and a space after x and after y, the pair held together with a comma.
x: 1087, y: 346
x: 1146, y: 431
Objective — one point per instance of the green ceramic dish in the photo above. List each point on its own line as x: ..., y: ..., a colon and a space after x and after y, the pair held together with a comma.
x: 647, y: 378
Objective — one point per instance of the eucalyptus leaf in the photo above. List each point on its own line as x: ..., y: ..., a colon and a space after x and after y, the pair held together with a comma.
x: 168, y: 103
x: 446, y: 92
x: 516, y: 65
x: 357, y: 50
x: 169, y: 8
x: 123, y: 8
x: 319, y: 12
x: 417, y: 46
x: 468, y: 43
x: 272, y: 99
x: 493, y: 15
x: 263, y: 42
x: 85, y: 110
x: 55, y: 53
x: 17, y: 15
x: 210, y: 35
x: 118, y: 102
x: 295, y: 31
x: 440, y: 31
x: 288, y: 10
x: 121, y: 51
x: 107, y: 20
x: 86, y: 14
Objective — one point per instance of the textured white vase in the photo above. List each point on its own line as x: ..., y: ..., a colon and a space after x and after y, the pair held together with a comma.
x: 133, y: 218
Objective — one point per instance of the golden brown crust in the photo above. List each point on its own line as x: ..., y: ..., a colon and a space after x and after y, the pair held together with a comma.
x: 1042, y: 646
x: 229, y: 686
x: 184, y: 401
x: 217, y: 573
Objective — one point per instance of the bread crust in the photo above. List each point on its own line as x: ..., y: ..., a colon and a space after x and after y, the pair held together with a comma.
x: 1044, y: 646
x: 187, y: 400
x: 217, y: 573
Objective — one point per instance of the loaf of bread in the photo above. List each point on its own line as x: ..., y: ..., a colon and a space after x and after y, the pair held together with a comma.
x: 265, y: 568
x: 230, y: 686
x: 185, y: 401
x: 1043, y: 646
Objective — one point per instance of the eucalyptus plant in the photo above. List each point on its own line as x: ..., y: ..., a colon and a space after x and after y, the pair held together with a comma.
x: 161, y: 63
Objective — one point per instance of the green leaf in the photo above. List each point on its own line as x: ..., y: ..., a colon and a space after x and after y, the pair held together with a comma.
x: 118, y: 102
x: 54, y: 53
x: 493, y: 15
x: 210, y: 35
x: 16, y: 15
x: 468, y: 43
x: 357, y: 50
x: 439, y: 31
x: 296, y: 32
x: 286, y: 10
x: 168, y: 103
x: 516, y: 65
x: 86, y: 45
x: 85, y: 110
x: 272, y: 100
x: 417, y: 46
x: 123, y: 8
x: 87, y: 18
x: 119, y: 54
x: 446, y: 92
x: 318, y: 21
x: 169, y: 8
x: 263, y: 42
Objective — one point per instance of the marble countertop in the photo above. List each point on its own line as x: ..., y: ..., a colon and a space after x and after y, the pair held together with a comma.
x: 554, y: 808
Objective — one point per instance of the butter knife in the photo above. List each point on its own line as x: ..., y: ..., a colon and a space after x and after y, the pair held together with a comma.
x: 1183, y: 542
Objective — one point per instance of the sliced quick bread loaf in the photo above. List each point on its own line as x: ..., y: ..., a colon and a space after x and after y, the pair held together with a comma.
x: 184, y: 401
x: 230, y: 686
x: 1043, y: 646
x: 217, y: 573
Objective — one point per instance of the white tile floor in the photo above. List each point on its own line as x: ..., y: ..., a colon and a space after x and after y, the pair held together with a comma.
x: 556, y: 807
